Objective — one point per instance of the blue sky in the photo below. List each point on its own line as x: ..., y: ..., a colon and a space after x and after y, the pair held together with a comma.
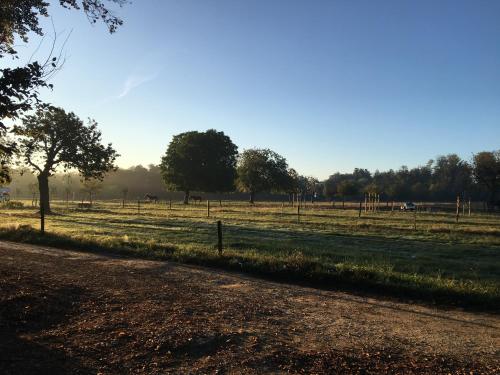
x: 330, y: 85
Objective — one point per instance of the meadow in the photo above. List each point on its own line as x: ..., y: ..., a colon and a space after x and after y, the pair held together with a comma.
x: 424, y: 255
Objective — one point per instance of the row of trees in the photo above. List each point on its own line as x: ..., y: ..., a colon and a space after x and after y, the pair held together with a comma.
x: 439, y: 180
x: 53, y: 140
x: 210, y: 162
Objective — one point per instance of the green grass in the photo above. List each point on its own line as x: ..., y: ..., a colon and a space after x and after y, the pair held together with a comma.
x: 440, y: 261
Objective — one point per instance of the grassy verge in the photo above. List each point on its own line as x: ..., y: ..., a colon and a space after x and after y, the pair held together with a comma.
x: 295, y: 265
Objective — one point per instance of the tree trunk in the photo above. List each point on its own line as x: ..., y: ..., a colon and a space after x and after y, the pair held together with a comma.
x: 43, y: 186
x: 252, y: 195
x: 186, y: 197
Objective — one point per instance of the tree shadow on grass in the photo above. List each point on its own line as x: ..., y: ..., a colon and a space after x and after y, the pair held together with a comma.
x: 365, y: 282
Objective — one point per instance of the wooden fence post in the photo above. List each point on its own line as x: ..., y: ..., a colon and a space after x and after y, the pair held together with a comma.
x: 469, y: 206
x: 298, y: 214
x: 208, y: 208
x: 415, y: 219
x: 282, y: 208
x: 359, y: 212
x: 458, y: 207
x: 219, y: 237
x: 170, y: 204
x: 138, y: 207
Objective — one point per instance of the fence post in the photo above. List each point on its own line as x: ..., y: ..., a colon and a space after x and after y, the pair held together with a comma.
x: 123, y: 203
x: 282, y: 207
x: 42, y: 219
x: 359, y: 212
x: 170, y: 204
x: 138, y: 207
x: 415, y: 219
x: 219, y: 237
x: 469, y: 206
x: 458, y: 207
x: 208, y: 208
x: 298, y: 214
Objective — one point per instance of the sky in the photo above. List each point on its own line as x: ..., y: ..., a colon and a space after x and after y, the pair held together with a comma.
x: 330, y: 85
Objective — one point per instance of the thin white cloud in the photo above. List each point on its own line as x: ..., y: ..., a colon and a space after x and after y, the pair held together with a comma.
x: 132, y: 82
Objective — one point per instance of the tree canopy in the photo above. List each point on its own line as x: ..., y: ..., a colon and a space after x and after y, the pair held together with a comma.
x: 52, y: 137
x: 19, y: 85
x: 442, y: 179
x: 262, y: 170
x: 486, y: 167
x: 200, y: 161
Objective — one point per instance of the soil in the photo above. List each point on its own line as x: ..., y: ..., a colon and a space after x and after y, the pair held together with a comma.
x: 85, y: 313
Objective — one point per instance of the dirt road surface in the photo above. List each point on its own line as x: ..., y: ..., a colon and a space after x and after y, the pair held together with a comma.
x: 84, y: 313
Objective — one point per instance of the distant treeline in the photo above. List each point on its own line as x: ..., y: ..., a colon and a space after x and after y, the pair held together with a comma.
x: 439, y: 180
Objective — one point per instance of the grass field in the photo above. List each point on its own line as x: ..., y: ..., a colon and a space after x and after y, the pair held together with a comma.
x: 441, y: 260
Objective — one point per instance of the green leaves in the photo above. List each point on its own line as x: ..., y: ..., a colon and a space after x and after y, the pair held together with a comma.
x: 203, y: 161
x: 262, y: 170
x: 53, y: 137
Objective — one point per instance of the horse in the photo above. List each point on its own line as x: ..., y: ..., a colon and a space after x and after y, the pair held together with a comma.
x: 151, y: 198
x: 195, y: 198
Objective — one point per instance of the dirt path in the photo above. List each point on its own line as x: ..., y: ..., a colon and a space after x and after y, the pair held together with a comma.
x: 72, y: 312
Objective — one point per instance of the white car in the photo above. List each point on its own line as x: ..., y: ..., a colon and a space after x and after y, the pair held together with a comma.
x: 408, y: 206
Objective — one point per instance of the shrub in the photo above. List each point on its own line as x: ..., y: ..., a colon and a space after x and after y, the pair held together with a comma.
x: 12, y: 205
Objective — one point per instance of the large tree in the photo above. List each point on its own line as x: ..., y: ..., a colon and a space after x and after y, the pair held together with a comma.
x: 347, y: 188
x: 200, y: 161
x: 486, y: 169
x: 341, y: 184
x: 262, y: 170
x: 451, y: 176
x: 19, y: 85
x: 52, y: 137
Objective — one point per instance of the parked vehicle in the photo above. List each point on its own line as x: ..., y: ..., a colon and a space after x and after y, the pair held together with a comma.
x: 408, y: 206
